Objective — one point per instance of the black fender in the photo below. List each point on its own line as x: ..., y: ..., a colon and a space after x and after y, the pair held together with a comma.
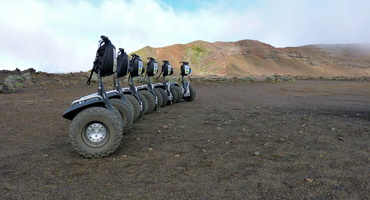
x: 71, y: 112
x: 113, y: 94
x: 126, y: 90
x: 159, y: 85
x: 174, y: 84
x: 145, y: 87
x: 142, y: 87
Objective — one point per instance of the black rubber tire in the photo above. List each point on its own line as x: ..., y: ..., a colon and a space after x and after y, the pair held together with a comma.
x: 175, y: 94
x: 159, y: 99
x: 145, y: 103
x: 95, y: 118
x: 135, y: 104
x: 164, y: 96
x: 150, y: 98
x: 193, y: 93
x: 127, y: 113
x: 178, y: 91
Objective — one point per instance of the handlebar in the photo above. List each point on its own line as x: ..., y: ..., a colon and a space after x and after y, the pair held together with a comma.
x: 121, y: 51
x: 104, y: 38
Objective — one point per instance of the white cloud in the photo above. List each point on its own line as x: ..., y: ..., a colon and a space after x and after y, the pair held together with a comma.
x: 62, y: 36
x: 300, y: 22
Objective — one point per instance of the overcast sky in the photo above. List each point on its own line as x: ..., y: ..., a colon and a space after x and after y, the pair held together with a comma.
x: 62, y: 35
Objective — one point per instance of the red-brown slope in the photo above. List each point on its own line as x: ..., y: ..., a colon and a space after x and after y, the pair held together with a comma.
x: 250, y: 57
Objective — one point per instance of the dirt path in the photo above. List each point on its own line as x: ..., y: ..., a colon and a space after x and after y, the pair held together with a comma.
x: 303, y: 140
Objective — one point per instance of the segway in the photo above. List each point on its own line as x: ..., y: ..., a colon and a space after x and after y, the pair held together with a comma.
x: 169, y: 94
x: 152, y: 94
x: 96, y: 128
x: 188, y: 92
x: 117, y: 97
x: 136, y: 69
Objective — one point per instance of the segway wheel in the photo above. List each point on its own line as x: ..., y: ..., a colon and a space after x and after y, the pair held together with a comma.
x: 176, y: 98
x: 135, y: 104
x: 159, y: 99
x: 175, y: 94
x: 96, y: 132
x: 164, y: 96
x: 127, y: 113
x: 145, y: 103
x: 193, y: 93
x: 151, y: 100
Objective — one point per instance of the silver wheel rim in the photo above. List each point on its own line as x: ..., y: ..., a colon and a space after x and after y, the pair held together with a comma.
x: 96, y: 132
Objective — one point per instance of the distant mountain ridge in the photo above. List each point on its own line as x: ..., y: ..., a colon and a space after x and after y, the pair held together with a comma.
x: 251, y: 57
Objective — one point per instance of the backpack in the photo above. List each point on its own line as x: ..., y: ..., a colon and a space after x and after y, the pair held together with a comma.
x: 152, y: 67
x: 136, y: 66
x: 122, y: 63
x: 105, y: 59
x: 185, y: 69
x: 166, y: 68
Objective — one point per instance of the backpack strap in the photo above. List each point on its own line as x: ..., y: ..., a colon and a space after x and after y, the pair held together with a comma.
x: 159, y: 76
x: 89, y: 79
x: 96, y: 62
x: 95, y: 65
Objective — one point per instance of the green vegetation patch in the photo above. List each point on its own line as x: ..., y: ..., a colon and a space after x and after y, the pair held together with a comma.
x: 248, y: 79
x: 196, y: 54
x: 216, y: 79
x: 14, y: 79
x: 198, y: 49
x: 11, y: 83
x: 279, y: 79
x: 14, y: 82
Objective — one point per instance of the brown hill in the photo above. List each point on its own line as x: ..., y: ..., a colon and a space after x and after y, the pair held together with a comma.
x: 251, y: 57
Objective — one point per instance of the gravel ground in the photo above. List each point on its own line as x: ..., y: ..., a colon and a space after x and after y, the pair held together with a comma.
x: 302, y: 140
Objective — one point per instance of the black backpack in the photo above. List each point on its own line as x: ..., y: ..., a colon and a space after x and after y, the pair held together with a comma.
x: 185, y: 69
x: 122, y: 63
x: 104, y: 59
x: 166, y: 68
x: 152, y: 67
x: 136, y: 66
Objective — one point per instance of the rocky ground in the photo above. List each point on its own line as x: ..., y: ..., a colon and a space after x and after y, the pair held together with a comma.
x: 263, y: 140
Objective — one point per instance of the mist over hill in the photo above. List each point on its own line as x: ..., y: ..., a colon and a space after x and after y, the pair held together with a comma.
x: 251, y: 57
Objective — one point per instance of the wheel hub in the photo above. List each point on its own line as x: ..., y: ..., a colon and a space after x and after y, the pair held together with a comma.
x: 96, y: 132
